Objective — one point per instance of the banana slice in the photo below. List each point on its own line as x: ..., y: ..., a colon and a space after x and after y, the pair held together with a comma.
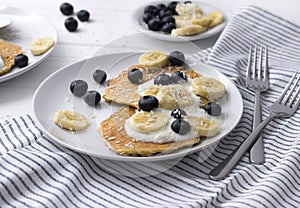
x: 41, y: 45
x: 189, y: 30
x: 205, y: 127
x: 189, y: 10
x: 182, y: 21
x: 203, y: 21
x: 146, y: 122
x: 70, y: 120
x: 217, y: 18
x: 208, y: 88
x: 154, y: 59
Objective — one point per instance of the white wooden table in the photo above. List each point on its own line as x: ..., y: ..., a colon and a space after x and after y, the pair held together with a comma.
x: 110, y: 20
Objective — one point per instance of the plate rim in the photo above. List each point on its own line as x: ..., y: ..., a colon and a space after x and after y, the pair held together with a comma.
x: 125, y: 158
x: 170, y: 38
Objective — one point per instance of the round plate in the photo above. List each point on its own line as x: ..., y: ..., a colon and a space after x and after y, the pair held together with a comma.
x: 137, y: 20
x: 25, y: 27
x: 54, y: 94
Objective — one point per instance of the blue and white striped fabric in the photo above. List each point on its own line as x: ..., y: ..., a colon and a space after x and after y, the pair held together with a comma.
x: 36, y: 172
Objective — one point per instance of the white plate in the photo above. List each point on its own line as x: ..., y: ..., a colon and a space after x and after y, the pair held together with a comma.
x: 137, y: 20
x: 25, y: 27
x: 54, y: 94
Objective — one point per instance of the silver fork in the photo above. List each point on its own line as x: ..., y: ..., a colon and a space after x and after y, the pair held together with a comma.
x: 285, y: 106
x: 257, y: 79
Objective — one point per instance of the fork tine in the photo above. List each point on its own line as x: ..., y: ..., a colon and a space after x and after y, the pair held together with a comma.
x: 266, y: 72
x: 254, y: 65
x: 279, y: 100
x: 290, y: 103
x: 259, y: 72
x: 249, y: 63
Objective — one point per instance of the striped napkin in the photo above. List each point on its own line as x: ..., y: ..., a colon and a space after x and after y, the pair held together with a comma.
x: 36, y: 172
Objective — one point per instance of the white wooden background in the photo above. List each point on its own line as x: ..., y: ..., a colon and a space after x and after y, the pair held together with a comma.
x: 110, y: 20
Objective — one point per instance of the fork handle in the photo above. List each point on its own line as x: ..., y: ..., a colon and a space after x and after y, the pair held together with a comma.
x: 256, y: 153
x: 225, y: 167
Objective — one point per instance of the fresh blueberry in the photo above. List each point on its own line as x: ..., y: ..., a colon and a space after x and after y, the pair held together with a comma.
x: 178, y: 113
x: 83, y: 15
x: 160, y: 6
x: 147, y: 17
x: 187, y: 2
x: 148, y: 103
x: 78, y: 87
x: 66, y: 8
x: 168, y: 19
x: 99, y: 76
x: 151, y: 9
x: 168, y: 27
x: 180, y: 126
x: 172, y: 6
x: 164, y: 13
x: 21, y: 60
x: 176, y: 58
x: 163, y: 79
x: 179, y: 77
x: 213, y: 108
x: 154, y: 24
x: 135, y: 76
x: 92, y: 98
x: 71, y: 24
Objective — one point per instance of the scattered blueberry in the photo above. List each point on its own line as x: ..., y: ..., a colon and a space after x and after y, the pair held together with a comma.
x: 160, y: 6
x: 92, y: 98
x: 71, y: 24
x: 168, y: 27
x: 147, y: 17
x: 180, y: 126
x: 178, y: 113
x: 179, y: 77
x: 164, y: 13
x: 66, y: 8
x: 21, y: 60
x: 163, y: 79
x: 151, y: 9
x: 154, y: 24
x: 148, y: 103
x: 176, y: 58
x: 78, y: 87
x: 135, y: 76
x: 168, y: 19
x: 187, y: 2
x: 83, y: 15
x: 99, y: 76
x: 213, y: 108
x: 172, y: 6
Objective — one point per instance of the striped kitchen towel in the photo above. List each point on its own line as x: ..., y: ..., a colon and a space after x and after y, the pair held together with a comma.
x: 36, y: 172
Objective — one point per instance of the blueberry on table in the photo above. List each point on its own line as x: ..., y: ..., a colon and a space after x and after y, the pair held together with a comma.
x: 99, y: 76
x: 176, y: 58
x: 180, y: 126
x: 83, y: 15
x: 187, y: 2
x: 168, y: 19
x: 150, y: 9
x: 92, y: 98
x: 178, y: 113
x: 164, y: 13
x: 168, y: 27
x: 154, y: 24
x: 179, y: 77
x: 66, y: 8
x: 148, y: 103
x: 147, y: 17
x: 163, y: 79
x: 71, y: 24
x: 213, y: 108
x: 21, y: 60
x: 160, y: 6
x: 135, y: 76
x: 78, y: 87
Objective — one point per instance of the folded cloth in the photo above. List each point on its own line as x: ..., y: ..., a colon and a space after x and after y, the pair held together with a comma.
x: 37, y: 172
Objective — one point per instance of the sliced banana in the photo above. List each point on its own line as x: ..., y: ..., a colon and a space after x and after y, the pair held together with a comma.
x: 70, y: 120
x: 203, y: 21
x: 189, y: 10
x: 217, y: 18
x: 154, y: 59
x: 145, y: 122
x: 208, y: 88
x: 205, y: 127
x: 182, y: 21
x: 41, y: 45
x: 188, y: 30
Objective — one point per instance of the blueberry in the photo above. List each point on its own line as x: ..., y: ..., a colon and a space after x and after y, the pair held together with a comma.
x: 176, y: 58
x: 187, y: 2
x: 160, y: 7
x: 66, y: 8
x: 99, y: 76
x: 147, y: 17
x: 154, y: 24
x: 164, y: 13
x: 135, y: 76
x: 163, y: 79
x: 148, y: 103
x: 179, y: 77
x: 180, y: 126
x: 168, y: 19
x: 83, y: 15
x: 168, y: 27
x: 78, y: 87
x: 151, y: 9
x: 21, y: 60
x: 213, y: 108
x: 178, y: 113
x: 172, y: 6
x: 92, y: 98
x: 71, y: 24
